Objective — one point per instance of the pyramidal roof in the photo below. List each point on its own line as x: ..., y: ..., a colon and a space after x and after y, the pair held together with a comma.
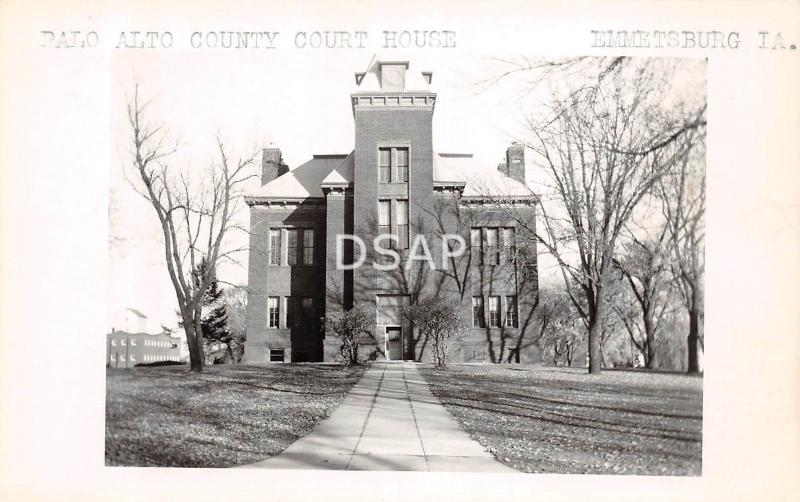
x: 305, y: 180
x: 478, y: 179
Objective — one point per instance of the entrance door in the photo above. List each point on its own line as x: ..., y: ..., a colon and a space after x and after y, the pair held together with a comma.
x: 394, y: 343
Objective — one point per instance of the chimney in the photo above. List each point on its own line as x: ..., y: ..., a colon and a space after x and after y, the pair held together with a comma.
x: 272, y: 165
x: 514, y: 167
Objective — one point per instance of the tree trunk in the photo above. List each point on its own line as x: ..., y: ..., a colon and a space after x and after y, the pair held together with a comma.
x: 194, y: 339
x: 693, y: 339
x: 596, y: 337
x: 650, y: 339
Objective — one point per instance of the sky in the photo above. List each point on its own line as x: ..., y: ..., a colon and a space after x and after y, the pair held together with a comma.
x: 296, y: 101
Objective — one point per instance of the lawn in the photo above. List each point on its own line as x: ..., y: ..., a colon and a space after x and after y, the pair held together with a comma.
x: 562, y: 420
x: 228, y: 415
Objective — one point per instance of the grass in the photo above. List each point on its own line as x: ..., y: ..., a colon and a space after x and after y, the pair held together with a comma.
x: 560, y: 420
x: 225, y: 416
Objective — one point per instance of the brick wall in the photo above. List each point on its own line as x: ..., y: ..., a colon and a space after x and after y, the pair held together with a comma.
x: 378, y: 127
x: 355, y: 211
x: 267, y: 280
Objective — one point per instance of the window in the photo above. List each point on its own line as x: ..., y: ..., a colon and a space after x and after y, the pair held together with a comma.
x: 384, y: 217
x: 275, y: 246
x: 402, y: 165
x: 276, y: 355
x: 308, y: 246
x: 478, y: 320
x: 307, y: 306
x: 384, y: 165
x: 291, y: 311
x: 494, y: 311
x: 132, y: 358
x: 511, y: 311
x: 113, y: 343
x: 394, y: 221
x: 291, y: 246
x: 274, y: 311
x: 299, y: 311
x: 509, y: 245
x: 401, y: 219
x: 122, y: 342
x: 492, y: 254
x: 393, y: 165
x: 475, y: 241
x: 133, y: 343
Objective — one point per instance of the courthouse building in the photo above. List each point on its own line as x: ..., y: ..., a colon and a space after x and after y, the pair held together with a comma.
x: 391, y: 183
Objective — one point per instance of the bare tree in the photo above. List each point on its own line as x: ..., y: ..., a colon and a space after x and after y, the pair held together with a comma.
x: 439, y: 321
x: 348, y: 326
x: 604, y: 146
x: 683, y: 197
x: 195, y: 213
x: 645, y: 267
x: 562, y: 329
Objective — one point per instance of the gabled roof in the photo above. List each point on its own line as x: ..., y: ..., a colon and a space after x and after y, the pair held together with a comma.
x: 343, y: 173
x: 306, y: 180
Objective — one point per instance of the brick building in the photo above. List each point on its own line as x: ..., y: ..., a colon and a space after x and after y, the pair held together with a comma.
x: 391, y: 183
x: 126, y: 350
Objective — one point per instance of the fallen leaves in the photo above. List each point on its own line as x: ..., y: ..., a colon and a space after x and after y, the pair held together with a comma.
x: 560, y: 420
x: 227, y: 415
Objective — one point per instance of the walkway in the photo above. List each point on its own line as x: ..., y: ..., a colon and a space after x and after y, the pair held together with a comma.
x: 388, y: 421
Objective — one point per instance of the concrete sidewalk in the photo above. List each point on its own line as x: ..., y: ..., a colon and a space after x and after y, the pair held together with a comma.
x: 389, y: 421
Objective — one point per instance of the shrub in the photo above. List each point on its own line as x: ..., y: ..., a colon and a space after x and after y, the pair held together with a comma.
x: 347, y: 326
x: 438, y: 320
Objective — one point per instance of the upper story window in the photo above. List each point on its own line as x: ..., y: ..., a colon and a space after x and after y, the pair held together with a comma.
x: 299, y: 246
x: 275, y: 246
x: 476, y: 243
x: 491, y: 254
x: 487, y: 247
x: 401, y: 211
x: 509, y: 245
x: 308, y: 246
x: 393, y: 219
x: 402, y: 165
x: 393, y: 165
x: 384, y: 217
x: 291, y: 246
x: 385, y: 165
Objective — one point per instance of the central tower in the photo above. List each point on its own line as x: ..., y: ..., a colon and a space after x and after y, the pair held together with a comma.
x: 392, y: 173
